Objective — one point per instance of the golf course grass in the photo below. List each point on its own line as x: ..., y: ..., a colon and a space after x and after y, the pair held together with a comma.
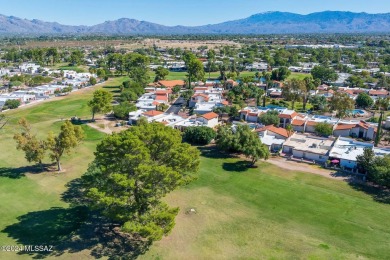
x: 270, y: 213
x: 240, y: 213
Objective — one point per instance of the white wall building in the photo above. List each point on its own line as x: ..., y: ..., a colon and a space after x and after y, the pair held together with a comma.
x: 346, y: 150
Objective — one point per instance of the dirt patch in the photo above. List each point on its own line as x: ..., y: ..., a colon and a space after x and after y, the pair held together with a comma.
x: 304, y: 167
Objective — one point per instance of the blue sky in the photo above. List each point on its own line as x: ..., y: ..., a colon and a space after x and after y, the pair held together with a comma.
x: 174, y: 12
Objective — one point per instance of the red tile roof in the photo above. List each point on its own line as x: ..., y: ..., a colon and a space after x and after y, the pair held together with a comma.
x: 289, y: 116
x: 160, y: 97
x: 201, y: 95
x: 378, y: 92
x: 277, y: 130
x: 344, y: 126
x: 210, y: 115
x: 200, y: 88
x: 298, y: 122
x: 171, y: 83
x: 311, y: 123
x: 163, y: 92
x: 152, y: 113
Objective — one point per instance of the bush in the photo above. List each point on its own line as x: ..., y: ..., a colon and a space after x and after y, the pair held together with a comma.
x: 12, y: 103
x: 122, y: 110
x: 270, y: 118
x: 92, y: 81
x: 323, y: 129
x: 364, y: 100
x: 200, y: 135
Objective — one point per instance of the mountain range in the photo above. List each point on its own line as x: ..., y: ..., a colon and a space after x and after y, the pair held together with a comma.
x: 262, y: 23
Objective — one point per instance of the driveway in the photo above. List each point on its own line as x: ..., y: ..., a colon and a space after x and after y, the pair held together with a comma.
x: 304, y: 167
x: 175, y: 108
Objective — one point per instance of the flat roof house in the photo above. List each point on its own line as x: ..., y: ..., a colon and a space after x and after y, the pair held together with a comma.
x: 346, y: 150
x: 306, y: 147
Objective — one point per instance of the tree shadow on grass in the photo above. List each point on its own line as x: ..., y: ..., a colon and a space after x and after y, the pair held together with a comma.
x: 240, y: 166
x: 72, y: 230
x: 213, y: 152
x: 16, y: 173
x: 113, y: 89
x: 379, y: 194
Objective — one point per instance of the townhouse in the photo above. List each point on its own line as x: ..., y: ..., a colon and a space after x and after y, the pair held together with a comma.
x: 307, y: 147
x: 273, y: 137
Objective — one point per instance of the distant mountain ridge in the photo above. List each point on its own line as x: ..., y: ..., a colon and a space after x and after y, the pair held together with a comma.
x: 262, y: 23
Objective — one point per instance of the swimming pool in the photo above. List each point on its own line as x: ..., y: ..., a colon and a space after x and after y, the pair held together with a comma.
x: 357, y: 112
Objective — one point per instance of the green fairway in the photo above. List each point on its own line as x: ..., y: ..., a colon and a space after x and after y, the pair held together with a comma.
x: 25, y: 193
x: 269, y: 213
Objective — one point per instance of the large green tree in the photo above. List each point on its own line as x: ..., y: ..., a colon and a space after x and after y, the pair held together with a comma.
x: 194, y: 66
x: 280, y: 74
x: 293, y: 91
x: 365, y: 160
x: 364, y: 100
x: 33, y: 148
x: 324, y: 74
x: 133, y: 170
x: 68, y: 138
x: 242, y: 140
x: 200, y: 135
x: 101, y: 102
x: 270, y: 118
x: 341, y: 103
x: 323, y: 129
x: 161, y: 73
x: 122, y: 110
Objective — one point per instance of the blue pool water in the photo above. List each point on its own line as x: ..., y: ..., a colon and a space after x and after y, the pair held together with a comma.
x: 357, y: 112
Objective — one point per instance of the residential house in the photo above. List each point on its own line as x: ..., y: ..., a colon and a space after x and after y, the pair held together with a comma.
x: 355, y: 129
x: 251, y: 114
x: 380, y: 93
x: 286, y: 117
x: 306, y: 147
x: 209, y: 119
x: 273, y: 137
x: 346, y: 150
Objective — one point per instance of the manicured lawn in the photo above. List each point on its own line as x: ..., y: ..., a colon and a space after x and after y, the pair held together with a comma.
x: 269, y: 213
x: 75, y: 68
x: 38, y: 195
x: 296, y: 75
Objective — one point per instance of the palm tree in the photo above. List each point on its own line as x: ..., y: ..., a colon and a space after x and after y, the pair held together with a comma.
x: 289, y: 129
x: 382, y: 104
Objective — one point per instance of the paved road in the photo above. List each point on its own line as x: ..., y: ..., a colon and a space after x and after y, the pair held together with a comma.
x: 175, y: 108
